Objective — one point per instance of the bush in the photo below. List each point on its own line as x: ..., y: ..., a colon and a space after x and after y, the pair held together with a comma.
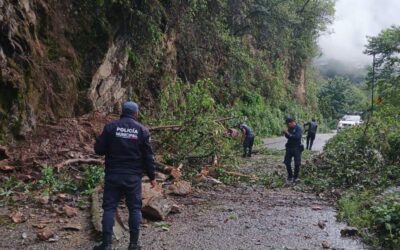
x: 93, y: 175
x: 364, y: 160
x: 387, y: 221
x: 363, y: 156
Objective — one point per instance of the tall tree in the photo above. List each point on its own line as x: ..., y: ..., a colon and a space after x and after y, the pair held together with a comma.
x: 386, y: 48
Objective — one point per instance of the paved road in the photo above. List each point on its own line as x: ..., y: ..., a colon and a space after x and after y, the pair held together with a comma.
x: 279, y: 142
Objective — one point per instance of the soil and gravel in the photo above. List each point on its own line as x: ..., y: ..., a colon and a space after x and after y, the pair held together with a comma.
x: 243, y: 215
x: 249, y: 216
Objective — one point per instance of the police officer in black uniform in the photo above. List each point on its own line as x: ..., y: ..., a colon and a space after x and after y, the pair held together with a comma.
x: 247, y: 139
x: 311, y: 132
x: 293, y: 149
x: 128, y: 153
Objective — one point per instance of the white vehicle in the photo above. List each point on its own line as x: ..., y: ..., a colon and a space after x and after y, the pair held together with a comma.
x: 348, y: 121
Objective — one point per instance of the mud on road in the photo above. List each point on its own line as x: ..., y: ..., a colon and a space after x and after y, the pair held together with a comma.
x: 239, y: 216
x: 249, y: 216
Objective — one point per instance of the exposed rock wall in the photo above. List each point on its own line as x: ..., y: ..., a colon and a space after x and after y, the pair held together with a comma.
x: 106, y: 89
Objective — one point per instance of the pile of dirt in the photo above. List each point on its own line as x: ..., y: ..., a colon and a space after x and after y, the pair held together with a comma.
x: 66, y: 142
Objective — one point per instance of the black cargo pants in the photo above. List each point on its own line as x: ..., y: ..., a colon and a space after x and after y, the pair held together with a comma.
x: 293, y: 152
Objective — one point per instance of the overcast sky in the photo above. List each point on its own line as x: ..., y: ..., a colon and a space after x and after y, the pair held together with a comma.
x: 354, y: 20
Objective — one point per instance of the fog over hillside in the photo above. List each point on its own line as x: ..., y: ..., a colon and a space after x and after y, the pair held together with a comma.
x: 343, y: 44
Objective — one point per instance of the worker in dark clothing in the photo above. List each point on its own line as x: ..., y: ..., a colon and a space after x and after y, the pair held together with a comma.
x: 247, y: 139
x: 293, y: 149
x: 128, y: 153
x: 311, y: 132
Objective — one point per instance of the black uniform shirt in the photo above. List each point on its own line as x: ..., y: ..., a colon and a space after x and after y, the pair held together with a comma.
x: 126, y: 145
x: 294, y: 137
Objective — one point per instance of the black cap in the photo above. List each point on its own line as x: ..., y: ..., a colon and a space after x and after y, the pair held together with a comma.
x: 289, y: 120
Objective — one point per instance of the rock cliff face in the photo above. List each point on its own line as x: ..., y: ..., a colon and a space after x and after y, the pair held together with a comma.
x: 65, y: 58
x: 35, y: 82
x: 106, y: 89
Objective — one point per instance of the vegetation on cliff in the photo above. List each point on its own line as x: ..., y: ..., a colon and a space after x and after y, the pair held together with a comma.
x: 70, y: 57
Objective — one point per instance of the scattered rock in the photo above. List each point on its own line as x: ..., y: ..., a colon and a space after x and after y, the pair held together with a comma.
x: 63, y: 197
x: 157, y: 208
x: 24, y: 235
x: 325, y: 244
x: 316, y: 208
x: 70, y: 211
x: 322, y: 224
x: 174, y: 172
x: 208, y: 180
x: 45, y: 235
x: 180, y: 188
x: 39, y: 226
x: 349, y: 231
x: 55, y: 238
x: 44, y: 199
x: 73, y: 227
x: 6, y: 168
x: 17, y: 217
x: 161, y: 177
x: 176, y: 209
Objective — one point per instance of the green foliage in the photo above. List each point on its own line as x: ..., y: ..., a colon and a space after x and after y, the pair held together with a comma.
x: 52, y: 182
x: 10, y: 185
x: 92, y: 176
x: 202, y: 134
x: 386, y: 48
x: 354, y: 209
x: 364, y: 160
x: 338, y: 96
x: 386, y: 221
x: 377, y: 216
x: 264, y: 119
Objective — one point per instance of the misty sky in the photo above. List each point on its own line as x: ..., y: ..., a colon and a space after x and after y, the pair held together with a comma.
x: 354, y: 20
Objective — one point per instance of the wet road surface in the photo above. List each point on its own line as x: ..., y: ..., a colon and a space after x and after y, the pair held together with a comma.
x: 279, y: 142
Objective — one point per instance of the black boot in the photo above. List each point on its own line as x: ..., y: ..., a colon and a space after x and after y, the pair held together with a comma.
x: 134, y: 241
x: 106, y: 244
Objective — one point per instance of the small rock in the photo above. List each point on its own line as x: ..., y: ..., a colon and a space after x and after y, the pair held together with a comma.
x: 63, y: 197
x: 45, y: 235
x: 176, y: 209
x: 348, y: 231
x: 44, y: 199
x: 39, y: 226
x: 6, y: 168
x: 316, y: 208
x: 325, y: 244
x: 180, y: 188
x: 73, y: 227
x: 55, y: 238
x: 24, y: 235
x: 17, y: 217
x: 70, y: 211
x: 161, y: 177
x: 321, y: 224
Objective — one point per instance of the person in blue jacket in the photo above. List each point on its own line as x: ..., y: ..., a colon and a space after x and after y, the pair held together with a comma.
x: 247, y: 139
x: 128, y: 154
x: 293, y: 133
